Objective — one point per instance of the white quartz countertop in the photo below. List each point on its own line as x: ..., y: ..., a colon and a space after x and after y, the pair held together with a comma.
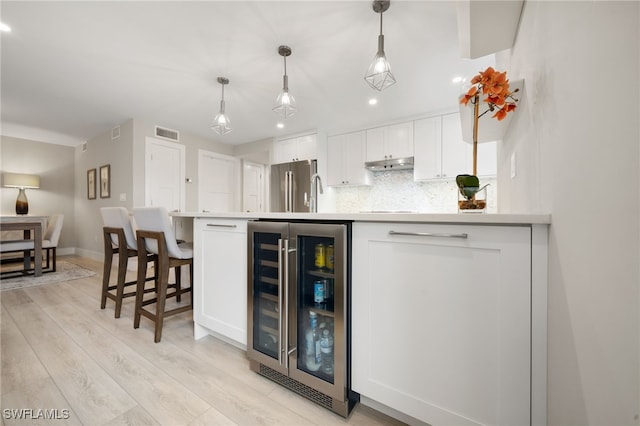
x: 465, y: 218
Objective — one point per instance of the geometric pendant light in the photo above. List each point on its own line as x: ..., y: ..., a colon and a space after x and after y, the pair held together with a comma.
x: 221, y: 123
x: 285, y: 103
x: 379, y: 73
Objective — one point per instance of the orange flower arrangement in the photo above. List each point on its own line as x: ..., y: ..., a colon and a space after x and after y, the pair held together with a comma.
x: 495, y: 86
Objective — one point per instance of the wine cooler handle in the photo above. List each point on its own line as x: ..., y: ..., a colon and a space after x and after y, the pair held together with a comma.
x: 285, y: 346
x: 287, y: 252
x: 429, y: 234
x: 280, y: 282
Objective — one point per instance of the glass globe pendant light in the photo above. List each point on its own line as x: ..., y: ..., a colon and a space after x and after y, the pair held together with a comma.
x: 221, y: 123
x: 285, y: 103
x: 379, y: 73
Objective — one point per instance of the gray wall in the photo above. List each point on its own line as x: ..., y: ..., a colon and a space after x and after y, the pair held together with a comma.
x: 55, y: 166
x: 576, y: 139
x: 100, y: 151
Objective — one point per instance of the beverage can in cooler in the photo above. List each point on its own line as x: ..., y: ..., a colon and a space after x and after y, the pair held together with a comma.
x: 329, y: 257
x: 321, y: 256
x: 319, y: 291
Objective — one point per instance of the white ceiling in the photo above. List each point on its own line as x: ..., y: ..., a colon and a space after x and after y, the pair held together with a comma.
x: 73, y: 70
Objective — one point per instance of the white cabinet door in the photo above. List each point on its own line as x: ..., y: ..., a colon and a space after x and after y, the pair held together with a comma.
x: 441, y: 319
x: 307, y: 148
x: 335, y: 160
x: 400, y: 141
x: 456, y: 153
x: 376, y: 143
x: 346, y: 158
x: 220, y: 279
x: 440, y: 152
x: 285, y: 151
x: 395, y: 141
x: 428, y: 149
x: 295, y: 149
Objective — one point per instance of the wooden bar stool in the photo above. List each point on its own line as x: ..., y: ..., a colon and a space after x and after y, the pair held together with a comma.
x: 119, y: 238
x: 155, y: 235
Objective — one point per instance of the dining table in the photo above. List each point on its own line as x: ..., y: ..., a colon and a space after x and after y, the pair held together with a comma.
x: 31, y: 226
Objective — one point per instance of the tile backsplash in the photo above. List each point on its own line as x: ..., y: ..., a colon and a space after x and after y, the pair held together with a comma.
x: 398, y: 191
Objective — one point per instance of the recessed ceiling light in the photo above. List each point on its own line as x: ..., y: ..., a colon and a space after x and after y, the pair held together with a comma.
x: 280, y: 125
x: 457, y: 79
x: 5, y: 28
x: 373, y: 101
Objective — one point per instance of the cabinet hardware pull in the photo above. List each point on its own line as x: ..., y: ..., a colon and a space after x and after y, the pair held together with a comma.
x: 219, y: 225
x: 429, y: 234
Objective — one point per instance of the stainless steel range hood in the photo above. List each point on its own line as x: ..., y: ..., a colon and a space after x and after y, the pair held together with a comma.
x: 391, y: 164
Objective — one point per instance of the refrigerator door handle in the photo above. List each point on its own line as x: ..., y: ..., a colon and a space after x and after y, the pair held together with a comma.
x: 280, y: 281
x: 288, y: 192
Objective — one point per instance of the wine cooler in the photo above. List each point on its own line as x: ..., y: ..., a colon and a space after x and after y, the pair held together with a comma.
x: 298, y: 315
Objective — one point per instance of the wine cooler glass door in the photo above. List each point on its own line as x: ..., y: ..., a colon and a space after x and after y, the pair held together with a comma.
x: 319, y: 307
x: 266, y: 319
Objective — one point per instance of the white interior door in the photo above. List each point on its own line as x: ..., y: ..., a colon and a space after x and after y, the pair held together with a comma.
x: 218, y: 182
x: 164, y: 174
x: 252, y: 187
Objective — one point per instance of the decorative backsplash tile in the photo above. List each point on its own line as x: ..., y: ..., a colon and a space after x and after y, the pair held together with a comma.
x: 398, y: 191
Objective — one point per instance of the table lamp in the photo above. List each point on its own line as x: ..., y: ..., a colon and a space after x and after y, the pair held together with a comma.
x: 21, y: 181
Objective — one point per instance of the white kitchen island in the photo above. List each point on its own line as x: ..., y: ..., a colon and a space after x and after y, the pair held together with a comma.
x: 449, y: 311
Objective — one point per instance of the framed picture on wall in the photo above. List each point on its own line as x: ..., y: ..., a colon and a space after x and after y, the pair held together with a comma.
x: 105, y: 181
x: 91, y: 184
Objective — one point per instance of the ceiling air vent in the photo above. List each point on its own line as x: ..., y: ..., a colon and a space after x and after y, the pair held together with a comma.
x: 163, y: 132
x: 115, y: 132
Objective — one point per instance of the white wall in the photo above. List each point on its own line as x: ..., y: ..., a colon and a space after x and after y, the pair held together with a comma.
x: 576, y: 137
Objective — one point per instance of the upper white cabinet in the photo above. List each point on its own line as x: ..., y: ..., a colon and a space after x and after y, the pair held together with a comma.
x: 345, y: 160
x: 440, y: 152
x: 395, y: 141
x: 295, y: 149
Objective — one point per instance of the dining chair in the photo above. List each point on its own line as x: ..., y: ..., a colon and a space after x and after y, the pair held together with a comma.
x: 119, y: 238
x: 155, y: 235
x: 51, y: 238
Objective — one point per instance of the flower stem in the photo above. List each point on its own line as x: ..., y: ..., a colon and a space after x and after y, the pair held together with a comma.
x: 475, y: 134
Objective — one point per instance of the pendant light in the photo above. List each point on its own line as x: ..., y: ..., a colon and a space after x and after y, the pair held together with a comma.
x: 379, y: 73
x: 285, y: 103
x: 221, y: 123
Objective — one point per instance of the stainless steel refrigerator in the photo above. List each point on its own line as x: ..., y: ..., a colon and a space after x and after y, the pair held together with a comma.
x: 294, y: 187
x: 299, y: 297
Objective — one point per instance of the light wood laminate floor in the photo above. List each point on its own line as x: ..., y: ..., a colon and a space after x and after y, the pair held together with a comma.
x: 61, y: 352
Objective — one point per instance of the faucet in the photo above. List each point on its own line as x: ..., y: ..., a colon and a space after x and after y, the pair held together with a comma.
x: 313, y: 198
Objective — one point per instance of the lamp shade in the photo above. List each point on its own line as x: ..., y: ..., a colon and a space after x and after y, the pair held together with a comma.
x: 20, y: 180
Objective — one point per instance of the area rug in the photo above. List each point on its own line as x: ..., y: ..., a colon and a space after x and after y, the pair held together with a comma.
x: 65, y: 271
